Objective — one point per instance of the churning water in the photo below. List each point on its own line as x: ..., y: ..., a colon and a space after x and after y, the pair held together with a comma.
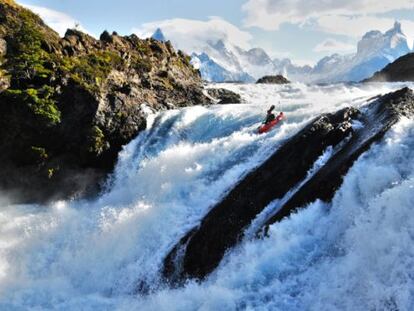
x: 355, y: 253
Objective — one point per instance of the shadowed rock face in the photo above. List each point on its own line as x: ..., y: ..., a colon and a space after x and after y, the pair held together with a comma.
x: 400, y: 70
x: 201, y: 250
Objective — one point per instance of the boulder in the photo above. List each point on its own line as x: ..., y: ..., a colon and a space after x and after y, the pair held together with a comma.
x: 224, y: 96
x: 106, y: 37
x: 278, y: 79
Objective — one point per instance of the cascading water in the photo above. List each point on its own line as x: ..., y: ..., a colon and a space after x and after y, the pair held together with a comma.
x: 355, y: 253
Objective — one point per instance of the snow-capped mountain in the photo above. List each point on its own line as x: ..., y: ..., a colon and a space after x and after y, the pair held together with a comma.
x: 222, y: 61
x: 290, y: 70
x: 211, y: 71
x: 158, y: 35
x: 375, y: 50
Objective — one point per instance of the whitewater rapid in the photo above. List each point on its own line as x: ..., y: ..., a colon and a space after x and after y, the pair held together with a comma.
x: 353, y: 254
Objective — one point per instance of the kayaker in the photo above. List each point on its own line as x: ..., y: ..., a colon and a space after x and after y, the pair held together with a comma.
x: 270, y: 115
x: 270, y: 121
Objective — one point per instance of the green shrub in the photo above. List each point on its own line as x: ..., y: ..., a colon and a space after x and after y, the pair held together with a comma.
x: 91, y: 70
x: 143, y: 48
x: 50, y: 172
x: 35, y: 155
x: 39, y: 101
x: 141, y: 65
x: 39, y: 152
x: 96, y: 140
x: 25, y: 58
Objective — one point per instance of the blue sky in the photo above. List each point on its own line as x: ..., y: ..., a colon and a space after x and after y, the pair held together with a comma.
x: 303, y: 30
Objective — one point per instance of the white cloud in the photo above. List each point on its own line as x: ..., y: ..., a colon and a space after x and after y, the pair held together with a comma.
x: 333, y: 45
x: 189, y: 35
x: 56, y: 20
x: 357, y: 26
x: 276, y: 54
x: 304, y: 62
x: 270, y: 14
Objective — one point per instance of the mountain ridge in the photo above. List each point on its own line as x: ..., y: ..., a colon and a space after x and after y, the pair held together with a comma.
x: 222, y: 61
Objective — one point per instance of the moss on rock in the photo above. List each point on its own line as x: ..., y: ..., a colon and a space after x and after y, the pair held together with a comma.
x: 39, y: 102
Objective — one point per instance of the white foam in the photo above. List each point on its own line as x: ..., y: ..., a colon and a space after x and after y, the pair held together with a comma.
x: 91, y: 255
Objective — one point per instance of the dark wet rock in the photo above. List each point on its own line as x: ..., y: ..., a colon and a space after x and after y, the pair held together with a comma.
x: 278, y: 79
x: 68, y: 105
x: 222, y: 227
x: 376, y: 121
x: 224, y: 96
x: 201, y: 250
x: 401, y: 69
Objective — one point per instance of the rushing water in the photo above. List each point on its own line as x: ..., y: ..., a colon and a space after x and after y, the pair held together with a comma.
x: 356, y: 253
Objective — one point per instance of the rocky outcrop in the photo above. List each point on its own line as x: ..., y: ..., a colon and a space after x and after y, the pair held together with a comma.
x: 279, y: 79
x: 224, y: 96
x: 201, y: 250
x: 376, y: 121
x: 400, y: 70
x: 68, y: 105
x: 222, y: 227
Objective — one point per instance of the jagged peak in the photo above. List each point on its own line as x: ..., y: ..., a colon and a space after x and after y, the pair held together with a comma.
x: 372, y: 34
x: 159, y: 35
x: 392, y: 40
x: 396, y: 28
x: 219, y: 44
x: 259, y: 52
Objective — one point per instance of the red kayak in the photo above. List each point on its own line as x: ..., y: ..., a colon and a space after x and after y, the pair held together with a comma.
x: 267, y: 127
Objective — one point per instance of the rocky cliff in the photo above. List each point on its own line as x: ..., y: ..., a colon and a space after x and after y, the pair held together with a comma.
x: 400, y: 70
x: 68, y: 105
x: 289, y: 179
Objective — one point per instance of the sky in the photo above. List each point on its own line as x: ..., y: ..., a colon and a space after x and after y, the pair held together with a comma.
x: 302, y: 30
